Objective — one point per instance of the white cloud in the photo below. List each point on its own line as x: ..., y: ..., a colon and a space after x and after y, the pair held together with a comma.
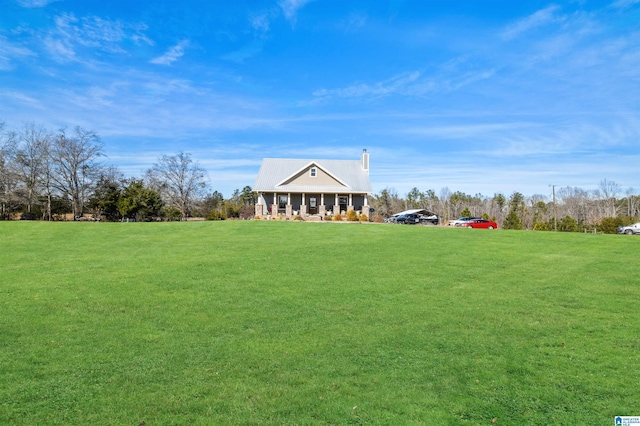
x: 623, y: 4
x: 393, y: 85
x: 465, y: 131
x: 260, y: 23
x: 10, y: 51
x: 171, y: 55
x: 71, y: 33
x: 538, y: 19
x: 354, y: 22
x: 407, y: 84
x: 34, y: 3
x: 290, y: 8
x: 60, y: 49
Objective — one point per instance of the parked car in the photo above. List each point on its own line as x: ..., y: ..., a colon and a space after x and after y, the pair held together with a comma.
x: 460, y: 221
x: 629, y: 229
x: 408, y: 219
x: 392, y: 219
x: 481, y: 223
x: 429, y: 219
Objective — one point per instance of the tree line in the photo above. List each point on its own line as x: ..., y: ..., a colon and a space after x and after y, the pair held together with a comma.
x: 63, y: 175
x: 58, y: 175
x: 570, y: 209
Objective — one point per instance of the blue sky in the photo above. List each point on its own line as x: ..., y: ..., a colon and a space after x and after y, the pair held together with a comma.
x: 473, y: 96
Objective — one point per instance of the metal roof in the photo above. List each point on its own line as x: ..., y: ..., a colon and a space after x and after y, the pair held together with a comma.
x: 414, y: 211
x: 275, y: 171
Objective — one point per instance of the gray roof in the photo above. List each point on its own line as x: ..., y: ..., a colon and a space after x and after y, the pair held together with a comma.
x: 274, y: 171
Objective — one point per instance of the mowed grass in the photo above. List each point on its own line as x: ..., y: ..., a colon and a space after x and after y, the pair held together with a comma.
x: 250, y: 323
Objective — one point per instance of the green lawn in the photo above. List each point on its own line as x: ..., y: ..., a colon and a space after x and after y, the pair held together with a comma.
x: 251, y: 323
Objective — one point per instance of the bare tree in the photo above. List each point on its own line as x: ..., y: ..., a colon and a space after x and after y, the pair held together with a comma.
x: 574, y: 202
x: 179, y: 180
x: 445, y: 205
x: 31, y: 161
x: 430, y: 202
x: 633, y: 203
x: 8, y: 178
x: 608, y: 192
x: 75, y: 161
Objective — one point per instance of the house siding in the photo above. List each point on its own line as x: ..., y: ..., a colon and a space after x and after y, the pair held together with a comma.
x: 304, y: 179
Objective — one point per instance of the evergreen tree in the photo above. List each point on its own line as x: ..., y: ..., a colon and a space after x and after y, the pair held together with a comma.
x: 516, y: 207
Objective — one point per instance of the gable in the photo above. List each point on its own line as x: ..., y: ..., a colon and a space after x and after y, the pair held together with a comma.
x: 304, y: 178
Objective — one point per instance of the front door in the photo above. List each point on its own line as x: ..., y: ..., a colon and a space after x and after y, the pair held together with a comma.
x: 342, y: 202
x: 313, y: 205
x: 282, y: 203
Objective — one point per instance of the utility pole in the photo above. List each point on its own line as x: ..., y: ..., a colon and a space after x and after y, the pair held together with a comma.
x: 555, y: 210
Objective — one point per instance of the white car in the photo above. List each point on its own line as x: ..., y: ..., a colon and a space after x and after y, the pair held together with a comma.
x: 460, y: 221
x: 629, y: 229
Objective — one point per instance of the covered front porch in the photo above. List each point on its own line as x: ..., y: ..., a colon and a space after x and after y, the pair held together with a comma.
x: 291, y: 204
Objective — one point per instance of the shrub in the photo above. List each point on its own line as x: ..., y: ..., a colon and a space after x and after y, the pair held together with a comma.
x: 337, y: 217
x: 171, y: 213
x: 215, y: 215
x: 568, y: 224
x: 246, y: 212
x: 543, y: 226
x: 364, y: 218
x: 378, y: 219
x: 352, y: 216
x: 609, y: 225
x: 297, y: 217
x: 231, y: 211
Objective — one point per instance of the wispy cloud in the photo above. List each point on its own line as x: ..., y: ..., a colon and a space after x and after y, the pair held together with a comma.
x: 290, y: 8
x: 11, y: 51
x: 623, y: 4
x: 173, y: 54
x: 354, y: 22
x: 466, y: 131
x: 406, y: 84
x: 72, y: 33
x: 387, y: 87
x: 260, y: 22
x: 34, y: 3
x: 60, y: 49
x: 538, y: 19
x: 249, y: 50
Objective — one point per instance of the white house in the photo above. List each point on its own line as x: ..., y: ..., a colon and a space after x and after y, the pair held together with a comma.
x: 312, y: 187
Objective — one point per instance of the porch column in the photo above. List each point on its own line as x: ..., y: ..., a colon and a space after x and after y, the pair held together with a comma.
x: 322, y: 210
x: 289, y: 208
x: 365, y: 208
x: 259, y: 206
x: 303, y: 206
x: 350, y: 206
x: 274, y: 206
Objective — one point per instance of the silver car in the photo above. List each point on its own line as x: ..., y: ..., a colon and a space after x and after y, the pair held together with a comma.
x: 629, y: 229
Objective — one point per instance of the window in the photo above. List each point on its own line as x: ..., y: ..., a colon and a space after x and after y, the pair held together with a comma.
x: 313, y: 172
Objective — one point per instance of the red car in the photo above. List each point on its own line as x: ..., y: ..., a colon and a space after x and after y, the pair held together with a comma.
x: 481, y: 223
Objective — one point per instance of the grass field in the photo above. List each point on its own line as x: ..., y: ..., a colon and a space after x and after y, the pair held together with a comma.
x: 251, y: 323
